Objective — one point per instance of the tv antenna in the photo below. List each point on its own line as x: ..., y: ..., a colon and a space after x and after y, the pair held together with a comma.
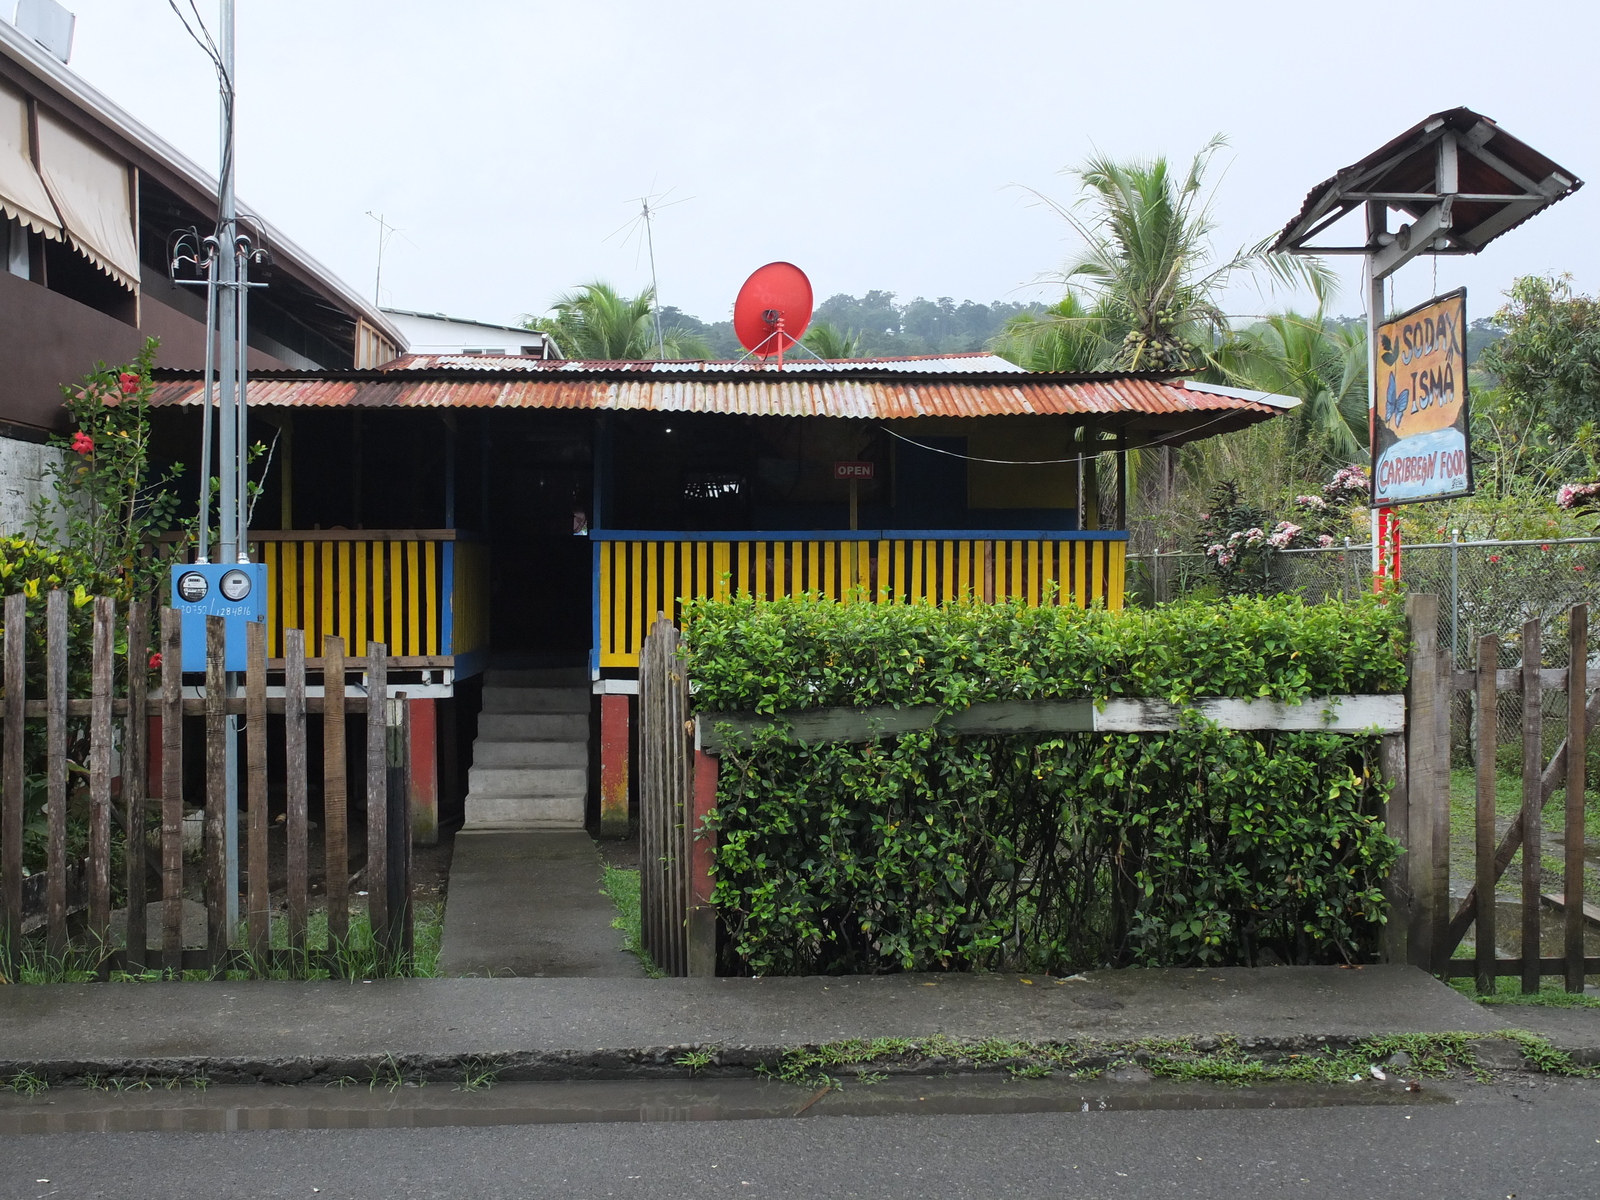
x: 649, y: 206
x: 773, y: 310
x: 385, y: 232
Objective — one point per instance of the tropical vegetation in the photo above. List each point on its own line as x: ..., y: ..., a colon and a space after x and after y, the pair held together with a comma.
x: 823, y: 340
x: 595, y: 321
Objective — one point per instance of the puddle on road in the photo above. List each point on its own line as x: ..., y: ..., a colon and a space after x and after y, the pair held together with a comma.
x: 220, y: 1109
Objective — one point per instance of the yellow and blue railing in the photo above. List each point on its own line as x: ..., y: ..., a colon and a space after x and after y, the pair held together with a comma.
x: 639, y: 574
x: 424, y: 593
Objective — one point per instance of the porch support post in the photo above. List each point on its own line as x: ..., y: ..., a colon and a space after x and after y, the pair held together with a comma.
x: 424, y: 771
x: 613, y: 765
x: 702, y: 931
x: 1123, y: 451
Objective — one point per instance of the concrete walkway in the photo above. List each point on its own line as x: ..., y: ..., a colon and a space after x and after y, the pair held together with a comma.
x: 286, y: 1032
x: 529, y: 903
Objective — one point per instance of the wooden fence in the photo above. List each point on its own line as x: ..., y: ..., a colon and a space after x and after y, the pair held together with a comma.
x: 1493, y: 850
x: 99, y: 720
x: 678, y: 790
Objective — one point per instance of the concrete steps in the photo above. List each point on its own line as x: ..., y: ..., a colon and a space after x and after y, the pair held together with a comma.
x: 530, y: 763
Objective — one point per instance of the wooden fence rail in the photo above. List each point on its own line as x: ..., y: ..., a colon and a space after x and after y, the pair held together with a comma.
x: 73, y: 723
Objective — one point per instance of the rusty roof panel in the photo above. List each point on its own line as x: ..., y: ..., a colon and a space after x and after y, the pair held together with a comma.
x: 977, y: 362
x: 771, y: 394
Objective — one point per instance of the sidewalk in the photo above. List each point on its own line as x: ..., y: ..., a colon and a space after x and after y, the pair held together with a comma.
x: 286, y: 1032
x: 530, y: 903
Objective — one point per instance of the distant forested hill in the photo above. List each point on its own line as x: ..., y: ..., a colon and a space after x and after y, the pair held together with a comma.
x: 886, y: 327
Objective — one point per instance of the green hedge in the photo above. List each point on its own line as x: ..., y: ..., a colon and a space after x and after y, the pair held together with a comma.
x: 925, y: 852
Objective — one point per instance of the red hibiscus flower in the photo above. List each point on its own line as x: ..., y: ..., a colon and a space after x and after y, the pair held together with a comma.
x: 82, y: 443
x: 1494, y: 558
x: 155, y: 661
x: 128, y: 383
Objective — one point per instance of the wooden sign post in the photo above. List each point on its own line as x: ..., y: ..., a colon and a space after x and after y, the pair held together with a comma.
x: 855, y: 472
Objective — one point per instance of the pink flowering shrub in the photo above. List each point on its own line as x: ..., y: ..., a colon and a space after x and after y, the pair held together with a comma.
x: 1241, y: 541
x: 1578, y: 495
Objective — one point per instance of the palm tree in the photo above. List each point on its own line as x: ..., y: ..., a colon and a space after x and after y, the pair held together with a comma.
x: 596, y: 322
x: 1146, y: 275
x: 1323, y: 364
x: 825, y: 341
x: 1067, y: 336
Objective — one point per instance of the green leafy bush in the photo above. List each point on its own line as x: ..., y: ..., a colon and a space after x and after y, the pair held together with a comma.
x: 925, y: 852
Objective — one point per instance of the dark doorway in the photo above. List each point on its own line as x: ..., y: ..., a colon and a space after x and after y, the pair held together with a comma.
x: 930, y: 484
x: 533, y: 481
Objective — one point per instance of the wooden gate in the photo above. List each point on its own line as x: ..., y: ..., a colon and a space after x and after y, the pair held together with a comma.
x: 95, y: 721
x: 665, y: 799
x: 1493, y: 849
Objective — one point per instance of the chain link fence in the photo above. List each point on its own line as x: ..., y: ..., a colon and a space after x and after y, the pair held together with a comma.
x: 1483, y: 587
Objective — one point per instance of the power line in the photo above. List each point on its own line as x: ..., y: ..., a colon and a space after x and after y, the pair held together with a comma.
x: 1049, y: 462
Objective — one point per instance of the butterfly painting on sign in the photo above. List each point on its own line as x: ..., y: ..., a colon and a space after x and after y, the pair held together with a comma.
x: 1420, y: 445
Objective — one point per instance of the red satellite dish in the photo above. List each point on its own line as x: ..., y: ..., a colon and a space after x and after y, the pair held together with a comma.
x: 773, y: 309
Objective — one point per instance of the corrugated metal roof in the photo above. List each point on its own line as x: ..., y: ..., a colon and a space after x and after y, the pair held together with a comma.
x: 770, y: 393
x: 1407, y: 164
x: 979, y: 362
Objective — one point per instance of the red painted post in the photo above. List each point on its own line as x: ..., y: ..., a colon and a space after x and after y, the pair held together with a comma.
x: 424, y: 771
x: 613, y: 765
x: 702, y: 869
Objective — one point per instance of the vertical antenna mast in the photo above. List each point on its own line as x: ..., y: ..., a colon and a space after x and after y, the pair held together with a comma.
x: 655, y: 291
x: 385, y: 231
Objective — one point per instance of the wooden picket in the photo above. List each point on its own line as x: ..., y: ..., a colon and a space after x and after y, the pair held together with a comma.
x: 113, y: 723
x: 665, y: 800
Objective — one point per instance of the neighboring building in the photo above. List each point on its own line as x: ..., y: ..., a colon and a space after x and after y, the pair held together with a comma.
x: 90, y: 200
x: 435, y: 333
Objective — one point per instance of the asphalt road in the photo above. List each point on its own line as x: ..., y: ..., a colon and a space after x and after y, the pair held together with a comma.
x: 1521, y: 1140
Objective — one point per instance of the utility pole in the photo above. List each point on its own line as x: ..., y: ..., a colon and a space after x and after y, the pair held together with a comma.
x: 230, y: 414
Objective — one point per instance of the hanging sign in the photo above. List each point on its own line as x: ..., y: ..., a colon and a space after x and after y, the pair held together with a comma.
x: 852, y: 470
x: 1420, y: 447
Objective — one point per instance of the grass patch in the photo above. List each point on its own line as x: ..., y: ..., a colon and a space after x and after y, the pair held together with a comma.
x: 1507, y: 804
x: 1430, y: 1056
x: 622, y: 885
x: 1509, y: 991
x: 357, y: 957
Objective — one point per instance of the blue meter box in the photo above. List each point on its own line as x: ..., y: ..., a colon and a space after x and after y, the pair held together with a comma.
x: 234, y: 591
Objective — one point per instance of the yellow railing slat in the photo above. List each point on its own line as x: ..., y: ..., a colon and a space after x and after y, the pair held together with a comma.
x: 362, y: 552
x: 270, y: 557
x: 608, y: 644
x: 636, y: 627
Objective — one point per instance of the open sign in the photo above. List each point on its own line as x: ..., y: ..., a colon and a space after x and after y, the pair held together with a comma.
x: 852, y: 470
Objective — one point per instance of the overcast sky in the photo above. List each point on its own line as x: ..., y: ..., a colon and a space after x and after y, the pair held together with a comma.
x: 877, y: 145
